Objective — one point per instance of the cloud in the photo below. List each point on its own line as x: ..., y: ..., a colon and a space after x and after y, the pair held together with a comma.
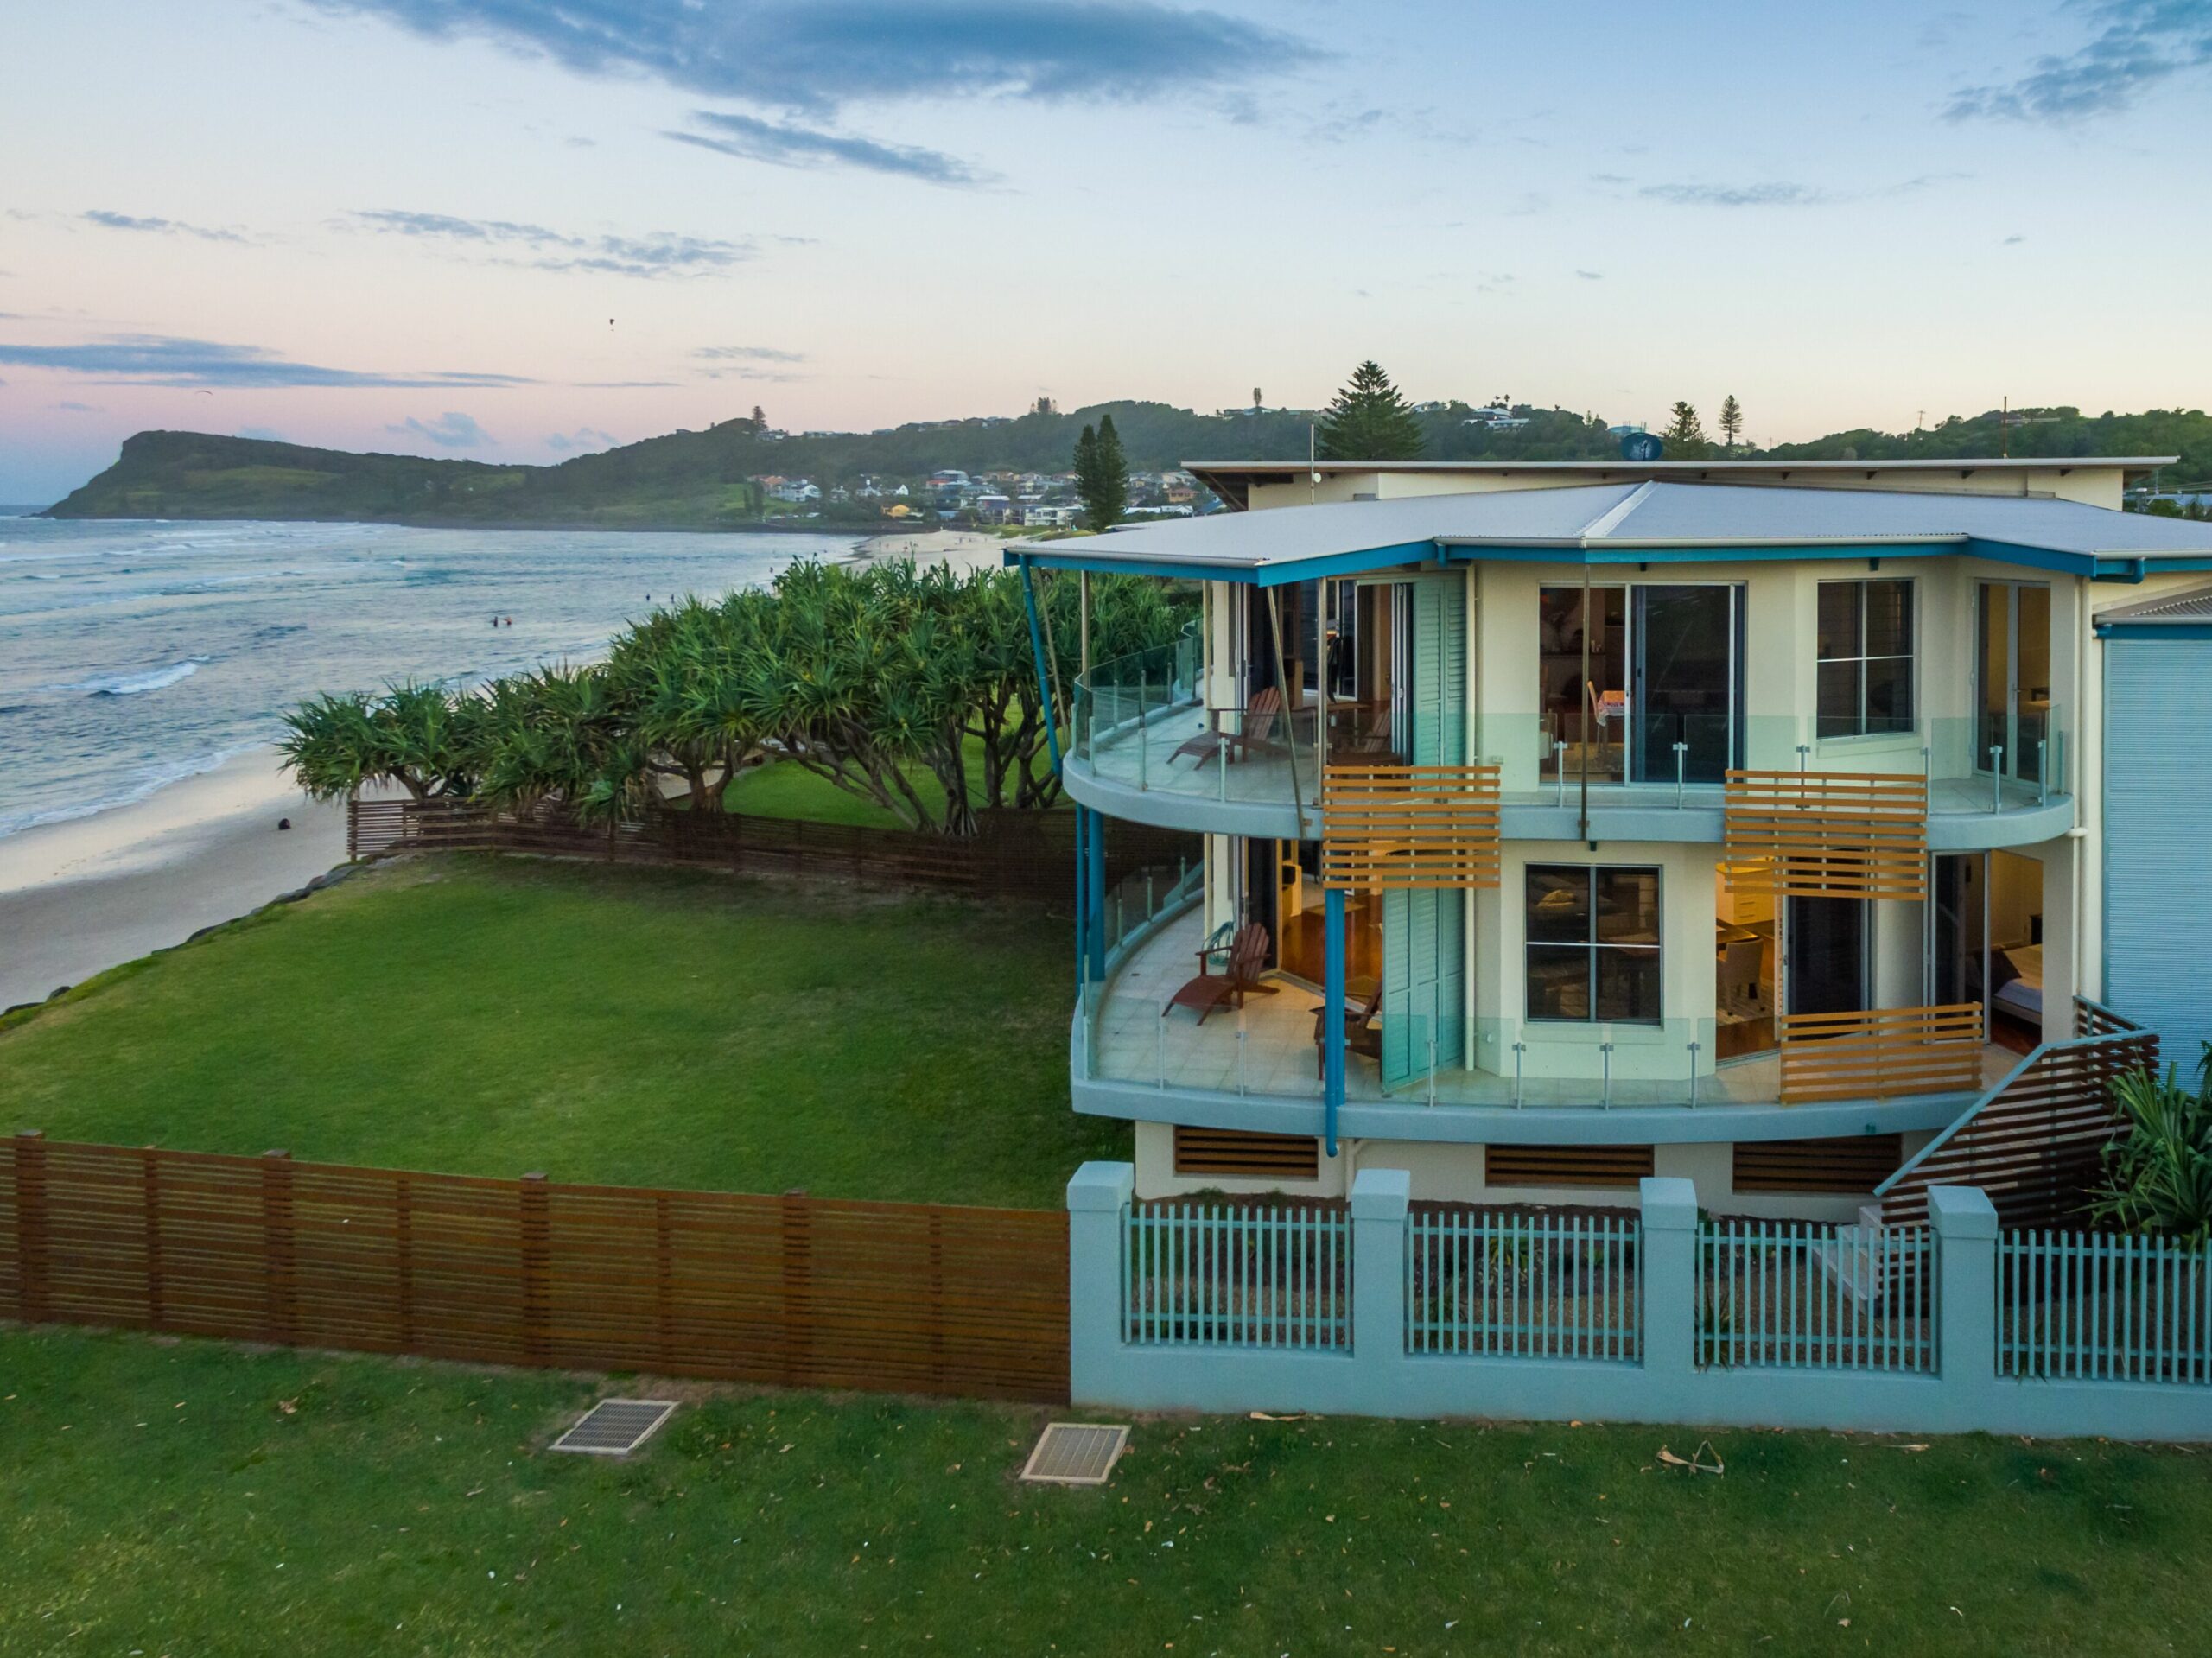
x: 67, y: 407
x: 115, y: 221
x: 263, y: 434
x: 748, y: 354
x: 761, y: 363
x: 2013, y: 241
x: 2140, y: 43
x: 451, y: 431
x: 782, y: 144
x: 818, y: 54
x: 1590, y: 275
x: 1775, y: 195
x: 166, y: 359
x: 502, y: 241
x: 1782, y: 193
x: 584, y: 437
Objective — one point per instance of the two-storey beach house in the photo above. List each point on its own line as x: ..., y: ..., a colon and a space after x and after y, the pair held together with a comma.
x: 1815, y: 832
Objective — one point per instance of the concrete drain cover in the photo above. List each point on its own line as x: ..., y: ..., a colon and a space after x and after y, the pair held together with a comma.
x: 616, y: 1427
x: 1075, y: 1453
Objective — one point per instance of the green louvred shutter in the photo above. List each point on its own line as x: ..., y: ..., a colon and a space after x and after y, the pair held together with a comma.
x: 1424, y: 957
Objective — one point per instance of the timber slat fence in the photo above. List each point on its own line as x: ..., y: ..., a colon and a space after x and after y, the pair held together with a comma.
x: 1013, y: 854
x: 792, y: 1291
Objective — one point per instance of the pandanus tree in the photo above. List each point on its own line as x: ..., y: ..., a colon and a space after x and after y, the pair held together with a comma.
x: 421, y: 738
x: 2157, y: 1171
x: 563, y: 736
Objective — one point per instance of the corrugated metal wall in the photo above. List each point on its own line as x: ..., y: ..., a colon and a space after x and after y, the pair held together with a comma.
x: 2158, y: 804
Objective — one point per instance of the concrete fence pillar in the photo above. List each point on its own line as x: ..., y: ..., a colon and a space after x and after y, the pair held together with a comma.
x: 1965, y: 1224
x: 1380, y: 1200
x: 1669, y: 1277
x: 1098, y: 1194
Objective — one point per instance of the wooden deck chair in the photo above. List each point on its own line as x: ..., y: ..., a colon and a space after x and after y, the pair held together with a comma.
x: 1259, y: 733
x: 1363, y: 1036
x: 1248, y: 959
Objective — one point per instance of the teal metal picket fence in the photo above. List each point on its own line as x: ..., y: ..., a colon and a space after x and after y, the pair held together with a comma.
x: 2097, y: 1307
x: 1799, y: 1294
x: 1498, y: 1283
x: 1218, y: 1274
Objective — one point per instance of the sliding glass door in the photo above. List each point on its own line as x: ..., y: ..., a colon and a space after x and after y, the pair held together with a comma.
x: 1827, y: 957
x: 1662, y: 664
x: 2012, y: 680
x: 1684, y: 642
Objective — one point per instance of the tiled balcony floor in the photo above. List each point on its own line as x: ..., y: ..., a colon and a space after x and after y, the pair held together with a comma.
x: 1267, y: 1049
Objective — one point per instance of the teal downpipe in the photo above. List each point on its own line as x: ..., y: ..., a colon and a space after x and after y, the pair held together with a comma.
x: 1082, y: 894
x: 1332, y: 1004
x: 1095, y: 852
x: 1037, y: 650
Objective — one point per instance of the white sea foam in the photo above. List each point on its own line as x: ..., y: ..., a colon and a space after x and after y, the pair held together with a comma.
x: 138, y: 684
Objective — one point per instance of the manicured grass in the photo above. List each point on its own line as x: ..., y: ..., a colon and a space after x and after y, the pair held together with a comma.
x: 193, y: 1499
x: 782, y: 789
x: 491, y: 1016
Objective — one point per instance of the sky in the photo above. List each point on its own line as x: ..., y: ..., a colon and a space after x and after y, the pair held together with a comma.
x: 517, y: 230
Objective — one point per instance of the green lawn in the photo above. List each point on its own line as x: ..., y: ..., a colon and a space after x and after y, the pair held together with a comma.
x: 187, y: 1499
x: 634, y: 1026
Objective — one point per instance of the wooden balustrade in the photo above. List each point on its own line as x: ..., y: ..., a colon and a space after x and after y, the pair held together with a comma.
x: 1826, y: 833
x: 1883, y: 1054
x: 1404, y: 827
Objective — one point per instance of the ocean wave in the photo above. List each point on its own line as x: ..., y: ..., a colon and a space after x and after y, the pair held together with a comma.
x: 137, y: 684
x: 143, y: 785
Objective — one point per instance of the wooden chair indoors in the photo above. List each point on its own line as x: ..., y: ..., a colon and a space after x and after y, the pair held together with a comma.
x: 1240, y: 977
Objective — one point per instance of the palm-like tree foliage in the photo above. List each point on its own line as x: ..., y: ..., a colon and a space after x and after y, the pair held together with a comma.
x: 874, y: 679
x: 2157, y: 1174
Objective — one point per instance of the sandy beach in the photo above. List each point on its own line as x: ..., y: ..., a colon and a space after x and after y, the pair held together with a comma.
x: 960, y: 550
x: 81, y: 896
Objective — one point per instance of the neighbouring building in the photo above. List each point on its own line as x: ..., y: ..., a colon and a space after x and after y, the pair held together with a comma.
x: 1751, y: 822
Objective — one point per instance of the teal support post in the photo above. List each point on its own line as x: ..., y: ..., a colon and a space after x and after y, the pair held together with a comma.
x: 1380, y: 1201
x: 1099, y: 1198
x: 1669, y: 1284
x: 1332, y: 1027
x: 1965, y: 1224
x: 1082, y: 896
x: 1044, y: 678
x: 1095, y: 852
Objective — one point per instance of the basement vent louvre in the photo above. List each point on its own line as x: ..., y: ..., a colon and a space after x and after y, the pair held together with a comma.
x: 1850, y: 1166
x: 616, y: 1427
x: 1075, y: 1453
x: 1565, y: 1165
x: 1245, y: 1156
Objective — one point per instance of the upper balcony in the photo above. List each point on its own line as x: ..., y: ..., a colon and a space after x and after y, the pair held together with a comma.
x: 1148, y: 748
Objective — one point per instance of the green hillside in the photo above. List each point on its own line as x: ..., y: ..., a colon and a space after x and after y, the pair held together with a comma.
x: 704, y: 479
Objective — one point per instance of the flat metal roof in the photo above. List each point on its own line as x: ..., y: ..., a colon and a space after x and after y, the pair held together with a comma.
x: 1231, y: 479
x: 1657, y: 520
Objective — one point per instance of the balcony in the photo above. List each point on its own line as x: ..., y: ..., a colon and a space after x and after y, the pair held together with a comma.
x: 1261, y: 1065
x: 1145, y: 747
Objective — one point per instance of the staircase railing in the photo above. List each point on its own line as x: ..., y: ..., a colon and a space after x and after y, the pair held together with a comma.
x: 2034, y: 1140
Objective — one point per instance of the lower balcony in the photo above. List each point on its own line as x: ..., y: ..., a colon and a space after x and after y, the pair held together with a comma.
x: 1136, y: 1054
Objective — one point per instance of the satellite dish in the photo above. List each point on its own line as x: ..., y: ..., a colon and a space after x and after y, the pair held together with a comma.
x: 1643, y: 448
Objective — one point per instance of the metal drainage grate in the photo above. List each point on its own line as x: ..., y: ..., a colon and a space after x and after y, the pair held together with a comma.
x: 1075, y: 1453
x: 616, y: 1427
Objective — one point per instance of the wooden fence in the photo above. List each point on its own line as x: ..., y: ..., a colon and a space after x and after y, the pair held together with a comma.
x: 792, y: 1291
x: 1884, y: 1054
x: 1013, y: 854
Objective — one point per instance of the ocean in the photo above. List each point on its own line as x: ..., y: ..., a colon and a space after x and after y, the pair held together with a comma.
x: 136, y: 653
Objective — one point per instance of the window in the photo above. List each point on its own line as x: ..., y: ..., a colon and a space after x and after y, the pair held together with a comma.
x: 1593, y: 945
x: 1865, y: 658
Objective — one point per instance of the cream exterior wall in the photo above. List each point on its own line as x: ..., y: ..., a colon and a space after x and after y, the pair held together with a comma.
x: 1453, y: 1172
x: 2091, y: 485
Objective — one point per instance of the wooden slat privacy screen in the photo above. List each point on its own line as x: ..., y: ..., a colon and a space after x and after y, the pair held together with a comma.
x: 790, y: 1291
x: 1826, y: 833
x: 1409, y: 827
x: 1849, y: 1165
x: 1884, y: 1054
x: 2036, y: 1147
